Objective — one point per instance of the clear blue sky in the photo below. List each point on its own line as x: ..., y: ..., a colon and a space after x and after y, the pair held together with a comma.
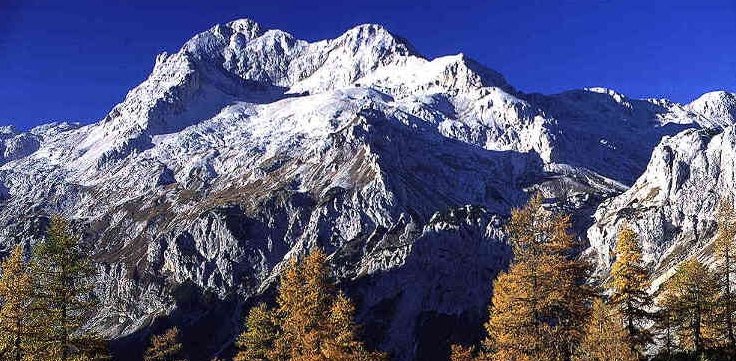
x: 73, y: 60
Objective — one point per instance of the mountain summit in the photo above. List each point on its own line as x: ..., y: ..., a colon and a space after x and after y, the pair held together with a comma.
x: 249, y: 147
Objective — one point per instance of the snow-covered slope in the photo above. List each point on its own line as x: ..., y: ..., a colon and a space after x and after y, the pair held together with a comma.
x: 249, y: 146
x: 719, y: 108
x: 673, y: 205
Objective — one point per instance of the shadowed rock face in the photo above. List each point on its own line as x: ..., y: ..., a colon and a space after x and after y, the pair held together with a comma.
x: 249, y: 147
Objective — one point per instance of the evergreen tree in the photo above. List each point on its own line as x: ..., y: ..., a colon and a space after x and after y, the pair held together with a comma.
x: 571, y: 297
x: 605, y: 339
x: 516, y: 331
x: 63, y: 293
x: 257, y: 341
x: 689, y: 297
x: 16, y: 292
x: 725, y: 248
x: 165, y: 347
x: 539, y: 306
x: 629, y: 285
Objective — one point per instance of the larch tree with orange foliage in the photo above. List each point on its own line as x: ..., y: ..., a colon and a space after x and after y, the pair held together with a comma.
x: 165, y: 347
x: 689, y: 298
x: 256, y: 343
x: 16, y: 294
x: 605, y: 339
x: 629, y: 290
x: 304, y: 300
x: 312, y: 321
x: 462, y: 353
x: 725, y: 269
x: 540, y: 305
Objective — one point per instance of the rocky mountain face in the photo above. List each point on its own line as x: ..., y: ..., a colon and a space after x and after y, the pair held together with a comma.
x: 673, y: 205
x: 248, y: 147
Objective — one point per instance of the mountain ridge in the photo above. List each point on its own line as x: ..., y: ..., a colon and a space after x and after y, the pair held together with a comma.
x: 248, y: 147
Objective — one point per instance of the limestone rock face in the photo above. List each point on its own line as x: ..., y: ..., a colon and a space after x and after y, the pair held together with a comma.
x: 673, y: 205
x: 248, y: 147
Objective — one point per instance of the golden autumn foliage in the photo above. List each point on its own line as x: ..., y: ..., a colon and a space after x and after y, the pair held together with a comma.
x: 515, y: 329
x: 312, y: 321
x: 165, y: 347
x: 257, y: 341
x: 304, y: 300
x: 689, y: 298
x: 629, y: 290
x: 540, y: 305
x: 92, y: 348
x: 342, y: 342
x: 725, y: 250
x: 462, y: 353
x: 16, y: 294
x: 605, y: 339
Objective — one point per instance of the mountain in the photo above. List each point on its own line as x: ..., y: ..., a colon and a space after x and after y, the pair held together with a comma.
x: 674, y: 204
x: 248, y: 147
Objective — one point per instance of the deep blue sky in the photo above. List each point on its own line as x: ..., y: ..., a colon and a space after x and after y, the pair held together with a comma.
x: 73, y: 60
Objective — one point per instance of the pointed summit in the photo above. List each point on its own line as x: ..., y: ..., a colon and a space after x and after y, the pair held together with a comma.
x: 719, y: 107
x: 209, y: 44
x: 376, y: 35
x: 246, y: 26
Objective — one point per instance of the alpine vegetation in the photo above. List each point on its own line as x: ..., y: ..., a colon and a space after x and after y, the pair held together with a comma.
x: 263, y: 197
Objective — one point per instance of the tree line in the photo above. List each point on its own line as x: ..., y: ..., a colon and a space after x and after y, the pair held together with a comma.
x: 45, y: 301
x: 46, y: 297
x: 545, y: 307
x: 548, y: 305
x: 311, y: 321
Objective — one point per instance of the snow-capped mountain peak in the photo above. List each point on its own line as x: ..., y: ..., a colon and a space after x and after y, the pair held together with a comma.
x: 618, y: 97
x: 247, y: 27
x: 718, y: 106
x: 249, y: 146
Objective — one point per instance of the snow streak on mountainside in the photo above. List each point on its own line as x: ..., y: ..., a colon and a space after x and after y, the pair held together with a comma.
x: 249, y: 146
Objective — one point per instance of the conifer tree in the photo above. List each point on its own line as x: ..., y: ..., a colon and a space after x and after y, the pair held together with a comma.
x: 303, y: 302
x: 516, y: 331
x: 725, y: 248
x: 689, y: 298
x: 629, y: 285
x: 539, y: 306
x: 257, y: 341
x: 462, y: 353
x: 311, y: 322
x: 165, y: 347
x: 663, y: 326
x: 92, y: 348
x: 342, y: 343
x: 16, y: 292
x: 570, y: 298
x: 605, y: 338
x: 63, y: 294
